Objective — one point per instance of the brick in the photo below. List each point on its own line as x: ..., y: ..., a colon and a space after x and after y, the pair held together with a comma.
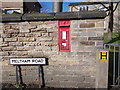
x: 95, y: 38
x: 1, y: 31
x: 87, y: 34
x: 15, y: 27
x: 15, y: 43
x: 11, y: 31
x: 1, y: 40
x: 36, y: 53
x: 99, y: 33
x: 4, y: 53
x: 24, y: 27
x: 99, y: 43
x: 25, y: 39
x: 10, y: 39
x: 10, y: 48
x: 45, y: 34
x: 32, y: 43
x: 39, y: 30
x: 44, y: 39
x: 30, y: 35
x: 25, y: 48
x: 6, y: 35
x: 87, y: 43
x: 74, y: 24
x: 21, y: 35
x: 87, y: 25
x: 90, y: 79
x: 4, y: 44
x: 99, y: 24
x: 46, y: 48
x: 68, y: 84
x: 68, y: 77
x: 18, y: 53
x: 7, y: 27
x: 32, y: 27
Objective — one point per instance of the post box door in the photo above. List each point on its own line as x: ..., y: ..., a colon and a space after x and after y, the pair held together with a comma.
x: 64, y: 39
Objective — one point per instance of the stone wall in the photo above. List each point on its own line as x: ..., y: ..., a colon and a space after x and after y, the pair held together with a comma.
x: 74, y: 69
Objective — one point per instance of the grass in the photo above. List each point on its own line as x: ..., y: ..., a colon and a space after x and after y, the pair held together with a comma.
x: 115, y: 40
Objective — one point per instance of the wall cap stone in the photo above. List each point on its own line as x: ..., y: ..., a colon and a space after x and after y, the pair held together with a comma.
x: 54, y: 16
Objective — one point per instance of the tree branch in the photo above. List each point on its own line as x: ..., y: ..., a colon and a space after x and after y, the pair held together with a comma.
x: 104, y: 6
x: 116, y: 7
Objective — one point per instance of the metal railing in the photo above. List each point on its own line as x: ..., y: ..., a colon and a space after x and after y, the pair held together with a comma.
x: 114, y: 63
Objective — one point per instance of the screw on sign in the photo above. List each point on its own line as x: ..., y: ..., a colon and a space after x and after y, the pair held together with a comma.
x: 103, y: 55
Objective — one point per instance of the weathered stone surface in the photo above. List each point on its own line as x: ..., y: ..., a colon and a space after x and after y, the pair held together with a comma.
x: 11, y: 31
x: 10, y: 48
x: 87, y: 43
x: 24, y: 27
x: 18, y: 53
x: 24, y: 48
x: 6, y: 35
x: 87, y: 25
x: 4, y: 54
x: 99, y: 24
x: 10, y: 39
x: 24, y: 39
x: 40, y: 39
x: 95, y: 38
x: 15, y: 43
x: 1, y: 40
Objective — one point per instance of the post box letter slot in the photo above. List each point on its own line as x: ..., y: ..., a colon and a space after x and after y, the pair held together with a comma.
x: 64, y: 35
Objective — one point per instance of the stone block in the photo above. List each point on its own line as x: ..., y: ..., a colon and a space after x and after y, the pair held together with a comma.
x: 15, y: 43
x: 11, y: 31
x: 99, y: 24
x: 26, y: 39
x: 87, y: 25
x: 87, y: 43
x: 6, y: 35
x: 44, y: 39
x: 68, y: 84
x: 30, y: 35
x: 15, y: 27
x: 4, y: 53
x: 23, y: 27
x: 4, y: 44
x: 86, y: 34
x: 76, y: 23
x: 21, y: 35
x: 25, y: 48
x: 95, y: 38
x: 36, y: 53
x: 44, y: 34
x: 99, y: 43
x: 18, y: 53
x: 90, y: 79
x: 10, y: 39
x: 1, y: 40
x: 32, y: 27
x: 9, y: 48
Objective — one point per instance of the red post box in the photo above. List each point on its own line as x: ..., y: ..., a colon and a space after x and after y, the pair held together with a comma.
x: 64, y: 35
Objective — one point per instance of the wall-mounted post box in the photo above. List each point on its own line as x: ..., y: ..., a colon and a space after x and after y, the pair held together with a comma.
x: 64, y: 35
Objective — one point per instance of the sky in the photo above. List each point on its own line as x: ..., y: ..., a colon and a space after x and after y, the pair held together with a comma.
x: 47, y: 6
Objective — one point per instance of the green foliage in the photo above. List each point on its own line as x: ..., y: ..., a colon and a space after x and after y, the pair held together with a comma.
x: 115, y: 38
x: 19, y: 86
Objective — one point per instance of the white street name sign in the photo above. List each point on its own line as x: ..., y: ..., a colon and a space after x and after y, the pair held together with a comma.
x: 27, y: 61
